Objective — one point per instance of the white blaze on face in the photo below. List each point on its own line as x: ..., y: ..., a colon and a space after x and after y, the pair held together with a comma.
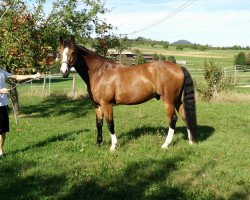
x: 64, y: 65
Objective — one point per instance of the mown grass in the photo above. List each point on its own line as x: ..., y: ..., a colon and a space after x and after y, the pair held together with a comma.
x: 51, y: 153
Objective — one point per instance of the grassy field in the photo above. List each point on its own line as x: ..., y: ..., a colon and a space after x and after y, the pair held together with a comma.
x: 51, y: 153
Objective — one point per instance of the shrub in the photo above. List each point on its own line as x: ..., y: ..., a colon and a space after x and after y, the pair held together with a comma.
x: 215, y: 80
x: 179, y: 47
x: 165, y: 46
x: 155, y: 56
x: 162, y: 57
x: 240, y: 59
x: 247, y: 59
x: 139, y: 59
x: 171, y: 59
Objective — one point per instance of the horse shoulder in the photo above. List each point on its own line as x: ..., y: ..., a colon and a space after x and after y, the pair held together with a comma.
x: 103, y: 84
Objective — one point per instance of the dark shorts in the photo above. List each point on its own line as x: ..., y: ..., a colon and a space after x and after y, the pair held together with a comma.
x: 4, y: 119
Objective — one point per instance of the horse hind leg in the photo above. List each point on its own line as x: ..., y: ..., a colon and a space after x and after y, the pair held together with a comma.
x: 172, y: 118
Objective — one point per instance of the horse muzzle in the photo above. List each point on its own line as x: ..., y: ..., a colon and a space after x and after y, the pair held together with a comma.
x: 64, y: 70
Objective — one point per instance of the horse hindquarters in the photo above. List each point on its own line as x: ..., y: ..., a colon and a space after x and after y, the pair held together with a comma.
x: 186, y: 110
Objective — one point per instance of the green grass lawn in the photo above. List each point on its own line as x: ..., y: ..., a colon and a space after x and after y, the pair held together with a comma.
x: 51, y: 153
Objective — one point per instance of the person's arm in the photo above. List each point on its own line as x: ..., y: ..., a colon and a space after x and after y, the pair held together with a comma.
x: 24, y: 77
x: 4, y: 90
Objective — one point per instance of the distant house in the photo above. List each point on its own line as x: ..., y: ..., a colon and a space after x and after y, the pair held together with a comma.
x: 148, y: 57
x: 114, y: 53
x: 181, y: 62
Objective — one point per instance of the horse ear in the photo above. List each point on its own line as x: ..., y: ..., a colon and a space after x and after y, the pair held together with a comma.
x: 61, y: 40
x: 72, y: 39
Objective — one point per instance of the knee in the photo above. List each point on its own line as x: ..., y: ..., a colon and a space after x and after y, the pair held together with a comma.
x: 99, y: 122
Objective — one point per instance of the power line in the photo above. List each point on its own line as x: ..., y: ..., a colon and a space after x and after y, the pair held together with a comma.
x: 176, y: 11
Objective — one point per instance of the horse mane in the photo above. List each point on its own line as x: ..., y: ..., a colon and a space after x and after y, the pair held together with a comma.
x: 90, y: 52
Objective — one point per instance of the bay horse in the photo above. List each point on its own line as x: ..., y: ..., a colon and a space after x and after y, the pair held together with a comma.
x: 111, y: 83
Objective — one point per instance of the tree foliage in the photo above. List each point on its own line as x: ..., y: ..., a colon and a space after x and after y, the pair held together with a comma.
x: 28, y: 36
x: 240, y: 58
x: 139, y: 59
x: 18, y: 36
x: 215, y: 80
x: 248, y: 58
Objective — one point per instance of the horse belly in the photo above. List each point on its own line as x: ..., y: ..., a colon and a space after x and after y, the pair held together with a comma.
x: 135, y: 95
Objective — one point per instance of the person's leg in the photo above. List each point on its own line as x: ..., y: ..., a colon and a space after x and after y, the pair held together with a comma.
x: 4, y: 126
x: 2, y: 139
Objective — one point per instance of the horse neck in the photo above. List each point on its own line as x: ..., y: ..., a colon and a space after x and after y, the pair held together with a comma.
x: 82, y: 68
x: 85, y: 65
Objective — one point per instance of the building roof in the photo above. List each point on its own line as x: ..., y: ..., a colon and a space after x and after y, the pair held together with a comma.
x: 115, y: 52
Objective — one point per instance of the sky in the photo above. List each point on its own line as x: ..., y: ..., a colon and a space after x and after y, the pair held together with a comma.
x: 212, y: 22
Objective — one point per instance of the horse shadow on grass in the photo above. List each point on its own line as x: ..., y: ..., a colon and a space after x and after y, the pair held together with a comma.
x: 33, y: 186
x: 134, y: 182
x: 70, y: 136
x: 204, y: 132
x: 146, y: 179
x: 58, y: 105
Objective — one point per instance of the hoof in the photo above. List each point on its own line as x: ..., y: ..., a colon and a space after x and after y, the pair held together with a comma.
x: 112, y: 148
x: 164, y: 146
x: 99, y: 144
x: 191, y: 142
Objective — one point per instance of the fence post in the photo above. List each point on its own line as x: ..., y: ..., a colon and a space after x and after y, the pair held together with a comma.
x: 74, y: 85
x: 234, y: 74
x: 49, y: 83
x: 44, y: 84
x: 31, y: 86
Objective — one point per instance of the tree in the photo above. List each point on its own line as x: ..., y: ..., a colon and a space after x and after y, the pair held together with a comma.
x: 247, y: 59
x: 162, y: 57
x: 179, y: 47
x: 166, y: 45
x: 240, y: 58
x: 139, y: 59
x: 171, y: 59
x: 27, y: 36
x: 155, y: 56
x: 17, y: 38
x: 215, y: 79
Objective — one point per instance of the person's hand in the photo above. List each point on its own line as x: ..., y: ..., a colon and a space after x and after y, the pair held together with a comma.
x: 37, y: 75
x: 4, y: 91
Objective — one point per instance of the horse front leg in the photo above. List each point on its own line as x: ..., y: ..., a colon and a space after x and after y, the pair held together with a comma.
x: 99, y: 123
x: 172, y: 118
x: 108, y: 114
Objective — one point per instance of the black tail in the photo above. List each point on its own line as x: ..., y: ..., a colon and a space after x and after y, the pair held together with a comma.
x: 189, y: 104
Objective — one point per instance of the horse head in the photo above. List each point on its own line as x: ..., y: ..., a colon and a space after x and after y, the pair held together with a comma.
x: 67, y: 55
